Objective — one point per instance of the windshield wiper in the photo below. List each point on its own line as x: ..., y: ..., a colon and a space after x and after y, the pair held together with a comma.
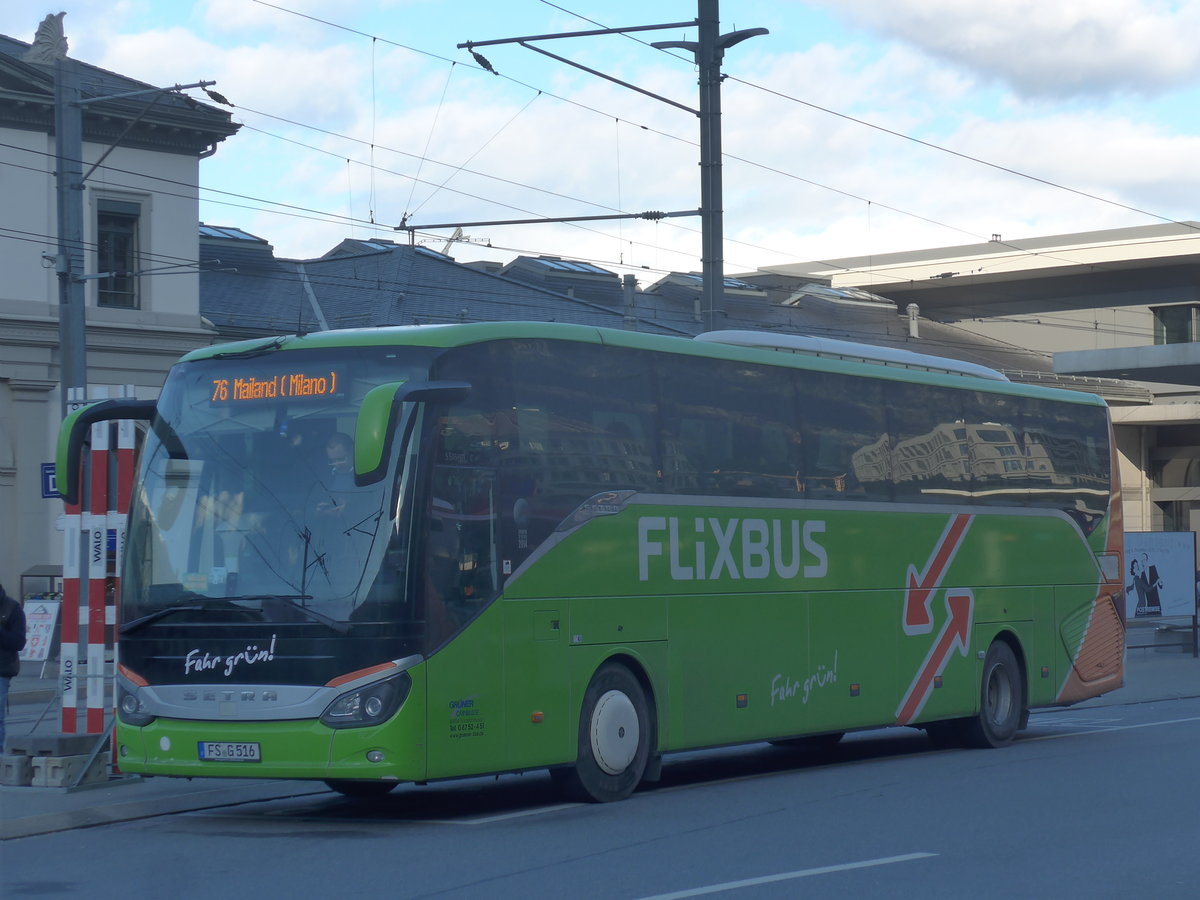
x: 223, y: 603
x: 273, y: 344
x: 293, y: 601
x: 207, y: 605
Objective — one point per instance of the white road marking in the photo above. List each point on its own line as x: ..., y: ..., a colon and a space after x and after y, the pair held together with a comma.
x: 1068, y: 719
x: 487, y: 820
x: 788, y: 876
x: 1054, y: 737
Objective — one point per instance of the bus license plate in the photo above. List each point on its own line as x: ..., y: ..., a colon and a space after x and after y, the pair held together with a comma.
x: 229, y: 751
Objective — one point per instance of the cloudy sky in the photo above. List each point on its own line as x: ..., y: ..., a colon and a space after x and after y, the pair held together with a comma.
x: 855, y: 127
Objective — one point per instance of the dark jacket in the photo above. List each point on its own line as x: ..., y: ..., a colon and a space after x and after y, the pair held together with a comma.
x: 12, y: 635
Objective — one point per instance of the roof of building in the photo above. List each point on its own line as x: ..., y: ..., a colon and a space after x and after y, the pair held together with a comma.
x: 245, y: 290
x: 175, y: 123
x: 1161, y: 261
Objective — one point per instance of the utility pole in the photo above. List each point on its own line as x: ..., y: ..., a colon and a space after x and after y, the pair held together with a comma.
x: 68, y: 153
x: 50, y: 49
x: 709, y: 54
x: 708, y: 50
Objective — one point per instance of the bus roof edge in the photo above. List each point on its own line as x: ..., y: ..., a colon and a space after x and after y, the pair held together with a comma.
x: 850, y: 350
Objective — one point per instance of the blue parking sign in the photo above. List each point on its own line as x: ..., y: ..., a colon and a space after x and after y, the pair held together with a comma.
x: 49, y: 485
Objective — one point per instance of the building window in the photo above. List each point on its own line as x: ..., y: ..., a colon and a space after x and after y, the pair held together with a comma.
x: 117, y: 252
x: 1176, y: 324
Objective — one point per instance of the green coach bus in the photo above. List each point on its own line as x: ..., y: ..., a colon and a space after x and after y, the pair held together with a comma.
x: 581, y: 549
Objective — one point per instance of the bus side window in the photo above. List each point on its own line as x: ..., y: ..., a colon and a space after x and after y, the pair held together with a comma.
x: 625, y: 451
x: 729, y: 429
x: 847, y: 448
x: 998, y: 450
x: 1065, y: 463
x: 931, y: 447
x: 583, y: 426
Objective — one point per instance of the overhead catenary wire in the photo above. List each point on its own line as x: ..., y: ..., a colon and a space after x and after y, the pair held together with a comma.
x: 293, y: 210
x: 408, y: 210
x: 500, y: 179
x: 335, y: 280
x: 352, y: 220
x: 894, y: 133
x: 340, y: 281
x: 819, y: 185
x: 461, y: 167
x: 596, y: 111
x: 290, y: 211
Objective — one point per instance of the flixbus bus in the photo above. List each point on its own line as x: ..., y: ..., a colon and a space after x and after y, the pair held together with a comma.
x: 579, y: 549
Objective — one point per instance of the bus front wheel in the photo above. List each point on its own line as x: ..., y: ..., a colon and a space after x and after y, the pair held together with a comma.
x: 1001, y: 699
x: 615, y: 732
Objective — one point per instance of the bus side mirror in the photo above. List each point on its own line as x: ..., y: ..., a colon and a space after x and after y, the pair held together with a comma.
x: 379, y: 417
x: 75, y: 430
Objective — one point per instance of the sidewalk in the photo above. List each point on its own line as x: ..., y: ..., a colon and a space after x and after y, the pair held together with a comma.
x: 1150, y: 675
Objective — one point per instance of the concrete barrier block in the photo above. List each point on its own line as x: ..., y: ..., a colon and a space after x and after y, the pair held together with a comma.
x: 52, y: 744
x: 64, y: 771
x: 16, y: 771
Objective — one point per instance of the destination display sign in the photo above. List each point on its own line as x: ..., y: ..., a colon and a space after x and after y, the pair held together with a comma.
x: 273, y: 387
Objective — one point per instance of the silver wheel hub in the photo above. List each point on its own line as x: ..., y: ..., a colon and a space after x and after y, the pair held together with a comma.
x: 1000, y: 696
x: 615, y: 733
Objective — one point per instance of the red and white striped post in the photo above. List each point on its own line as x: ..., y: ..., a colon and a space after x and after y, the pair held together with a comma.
x: 69, y: 646
x: 97, y: 548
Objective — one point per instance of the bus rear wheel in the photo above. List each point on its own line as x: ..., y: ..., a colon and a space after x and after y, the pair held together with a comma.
x: 615, y: 734
x: 1001, y: 706
x: 1001, y: 699
x: 362, y: 790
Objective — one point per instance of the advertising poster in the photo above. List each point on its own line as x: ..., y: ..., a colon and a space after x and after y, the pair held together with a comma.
x: 40, y: 616
x: 1160, y: 574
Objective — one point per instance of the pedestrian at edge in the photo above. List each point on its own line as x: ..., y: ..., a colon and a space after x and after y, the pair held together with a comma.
x: 12, y: 642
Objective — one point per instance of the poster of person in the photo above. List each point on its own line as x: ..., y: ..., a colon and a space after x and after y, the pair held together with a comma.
x: 1160, y: 574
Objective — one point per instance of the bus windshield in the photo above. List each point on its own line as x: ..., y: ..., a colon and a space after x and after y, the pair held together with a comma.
x: 247, y: 509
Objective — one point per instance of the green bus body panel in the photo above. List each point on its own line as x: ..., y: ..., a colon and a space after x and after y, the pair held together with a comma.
x: 290, y: 749
x: 62, y: 448
x: 726, y: 660
x: 747, y: 619
x: 371, y: 437
x: 822, y: 651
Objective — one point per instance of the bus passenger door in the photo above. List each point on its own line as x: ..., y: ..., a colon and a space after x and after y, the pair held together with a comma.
x: 466, y: 668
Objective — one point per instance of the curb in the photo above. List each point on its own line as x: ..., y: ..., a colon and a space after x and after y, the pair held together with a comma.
x: 108, y: 813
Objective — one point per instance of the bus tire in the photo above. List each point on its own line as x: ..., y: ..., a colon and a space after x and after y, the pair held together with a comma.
x: 615, y: 733
x: 1001, y: 699
x: 362, y: 790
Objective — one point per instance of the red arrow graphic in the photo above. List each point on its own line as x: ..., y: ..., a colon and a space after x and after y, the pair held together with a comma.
x: 955, y: 636
x: 921, y: 587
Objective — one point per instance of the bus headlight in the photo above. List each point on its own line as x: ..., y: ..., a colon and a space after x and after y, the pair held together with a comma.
x: 131, y: 710
x: 368, y: 705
